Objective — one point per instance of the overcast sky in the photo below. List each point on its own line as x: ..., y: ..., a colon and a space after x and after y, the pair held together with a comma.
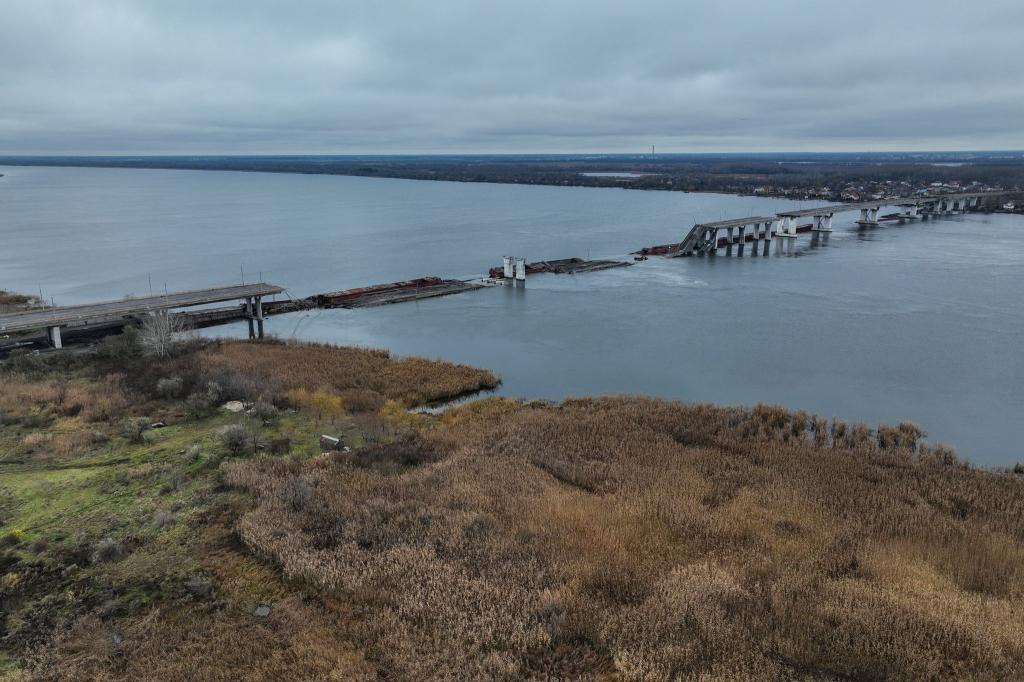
x: 389, y: 76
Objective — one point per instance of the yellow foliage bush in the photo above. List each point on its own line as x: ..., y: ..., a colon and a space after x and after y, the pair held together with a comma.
x: 321, y: 403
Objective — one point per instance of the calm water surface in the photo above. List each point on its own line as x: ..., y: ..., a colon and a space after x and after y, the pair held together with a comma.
x: 921, y: 322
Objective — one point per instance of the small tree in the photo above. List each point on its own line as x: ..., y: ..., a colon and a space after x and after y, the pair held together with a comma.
x: 235, y: 438
x: 160, y: 332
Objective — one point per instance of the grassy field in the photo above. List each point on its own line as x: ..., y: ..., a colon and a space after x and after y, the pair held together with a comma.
x: 118, y: 552
x: 615, y: 538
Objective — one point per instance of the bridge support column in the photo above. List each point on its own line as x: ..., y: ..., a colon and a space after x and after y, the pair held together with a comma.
x: 714, y: 242
x: 259, y: 316
x: 743, y: 238
x: 787, y: 228
x: 54, y: 335
x: 520, y: 268
x: 730, y: 240
x: 248, y: 317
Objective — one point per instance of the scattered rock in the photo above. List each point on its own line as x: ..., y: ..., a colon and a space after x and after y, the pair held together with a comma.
x: 235, y: 406
x: 199, y: 586
x: 262, y: 611
x: 158, y: 425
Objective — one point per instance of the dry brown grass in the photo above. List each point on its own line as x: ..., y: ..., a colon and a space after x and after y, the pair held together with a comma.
x: 356, y: 372
x: 218, y: 640
x: 640, y: 539
x: 12, y: 303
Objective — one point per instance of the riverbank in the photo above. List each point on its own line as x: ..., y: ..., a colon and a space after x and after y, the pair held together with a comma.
x: 836, y: 177
x: 615, y: 537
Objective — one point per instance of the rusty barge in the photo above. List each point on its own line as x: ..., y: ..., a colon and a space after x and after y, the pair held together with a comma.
x: 563, y: 266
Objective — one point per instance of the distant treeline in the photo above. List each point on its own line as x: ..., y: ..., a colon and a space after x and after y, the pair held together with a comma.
x: 768, y: 173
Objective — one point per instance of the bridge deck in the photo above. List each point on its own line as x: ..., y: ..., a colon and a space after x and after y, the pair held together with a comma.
x: 897, y: 201
x: 109, y: 310
x: 736, y: 222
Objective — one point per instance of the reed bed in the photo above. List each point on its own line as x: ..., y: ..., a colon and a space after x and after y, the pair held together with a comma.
x: 630, y: 538
x: 360, y: 374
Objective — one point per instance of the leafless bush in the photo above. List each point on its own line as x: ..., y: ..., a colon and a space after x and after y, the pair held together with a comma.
x: 134, y: 429
x: 280, y: 446
x: 120, y: 347
x: 105, y: 550
x: 160, y: 334
x: 298, y: 494
x: 163, y: 519
x: 169, y: 388
x: 235, y: 437
x: 265, y: 412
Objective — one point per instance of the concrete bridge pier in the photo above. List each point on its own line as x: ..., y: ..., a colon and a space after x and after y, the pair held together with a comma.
x: 730, y: 240
x: 869, y: 216
x: 53, y: 334
x: 249, y: 317
x: 742, y: 239
x: 259, y: 316
x: 786, y: 227
x: 823, y: 223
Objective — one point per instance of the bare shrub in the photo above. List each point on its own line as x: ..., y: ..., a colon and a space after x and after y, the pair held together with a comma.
x: 120, y: 347
x: 105, y: 550
x: 160, y: 334
x: 298, y: 494
x: 175, y: 481
x: 163, y: 519
x: 134, y: 429
x: 199, y: 586
x: 170, y: 387
x: 265, y: 412
x: 234, y: 437
x: 198, y: 406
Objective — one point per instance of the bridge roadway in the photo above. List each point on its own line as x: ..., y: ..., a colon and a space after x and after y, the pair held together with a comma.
x: 703, y: 237
x: 55, y: 318
x: 878, y: 203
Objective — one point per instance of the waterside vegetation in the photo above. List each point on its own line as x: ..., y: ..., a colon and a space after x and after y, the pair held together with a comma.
x: 179, y: 518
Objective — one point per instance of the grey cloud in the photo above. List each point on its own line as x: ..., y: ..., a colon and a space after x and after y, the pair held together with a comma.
x: 124, y: 76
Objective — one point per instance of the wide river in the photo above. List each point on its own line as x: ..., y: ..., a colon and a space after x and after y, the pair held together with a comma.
x: 923, y: 321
